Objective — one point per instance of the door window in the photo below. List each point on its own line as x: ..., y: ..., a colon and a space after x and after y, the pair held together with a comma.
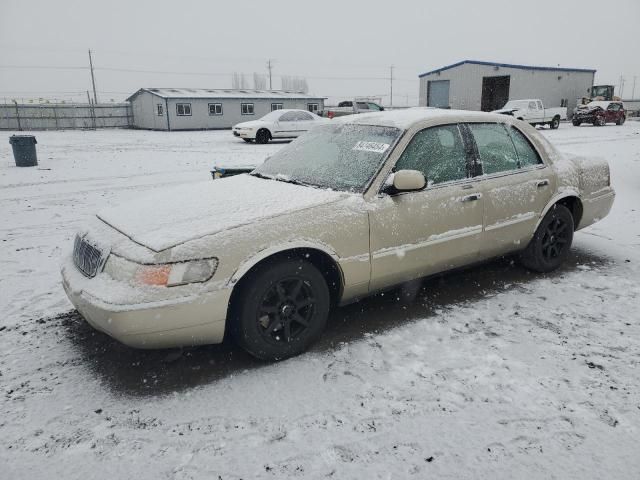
x: 438, y: 153
x: 374, y: 106
x: 495, y: 148
x: 527, y: 156
x: 362, y: 106
x: 304, y: 116
x: 289, y: 117
x: 614, y: 107
x: 532, y: 106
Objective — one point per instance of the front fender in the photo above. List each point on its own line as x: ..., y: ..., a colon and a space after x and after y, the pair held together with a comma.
x: 248, y: 264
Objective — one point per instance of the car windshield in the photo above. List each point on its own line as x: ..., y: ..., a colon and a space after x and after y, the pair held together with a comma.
x: 273, y: 116
x: 517, y: 104
x: 338, y: 156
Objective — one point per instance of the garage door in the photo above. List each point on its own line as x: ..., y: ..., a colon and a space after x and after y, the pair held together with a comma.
x: 438, y: 93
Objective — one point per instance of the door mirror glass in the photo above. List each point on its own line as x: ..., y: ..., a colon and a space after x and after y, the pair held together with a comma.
x: 408, y: 180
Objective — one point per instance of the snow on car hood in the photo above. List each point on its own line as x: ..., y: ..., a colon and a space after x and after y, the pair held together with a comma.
x: 166, y: 219
x: 249, y: 124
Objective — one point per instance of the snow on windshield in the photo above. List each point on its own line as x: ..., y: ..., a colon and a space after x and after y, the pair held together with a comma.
x: 338, y: 156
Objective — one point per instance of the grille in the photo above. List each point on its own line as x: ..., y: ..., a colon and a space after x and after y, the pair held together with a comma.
x: 86, y: 257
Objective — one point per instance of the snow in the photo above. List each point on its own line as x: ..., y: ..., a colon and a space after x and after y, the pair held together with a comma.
x: 166, y: 218
x: 492, y: 372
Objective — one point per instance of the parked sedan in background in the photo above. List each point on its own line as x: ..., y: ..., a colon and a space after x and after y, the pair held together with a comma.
x: 353, y: 207
x: 600, y: 113
x: 286, y: 123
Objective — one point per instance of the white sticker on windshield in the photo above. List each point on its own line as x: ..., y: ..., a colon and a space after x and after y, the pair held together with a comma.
x: 371, y: 147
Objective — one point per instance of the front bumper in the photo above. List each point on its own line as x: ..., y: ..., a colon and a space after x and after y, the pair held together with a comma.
x: 177, y: 322
x: 244, y: 134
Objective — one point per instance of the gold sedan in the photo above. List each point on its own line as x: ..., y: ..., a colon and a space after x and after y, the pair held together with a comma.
x: 353, y: 207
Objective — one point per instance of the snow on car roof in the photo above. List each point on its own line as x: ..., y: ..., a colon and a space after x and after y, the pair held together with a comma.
x: 405, y: 118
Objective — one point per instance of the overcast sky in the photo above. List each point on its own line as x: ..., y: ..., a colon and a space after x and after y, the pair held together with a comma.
x: 343, y: 48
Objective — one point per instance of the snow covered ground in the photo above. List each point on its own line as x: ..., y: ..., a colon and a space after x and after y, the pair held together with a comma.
x: 488, y: 373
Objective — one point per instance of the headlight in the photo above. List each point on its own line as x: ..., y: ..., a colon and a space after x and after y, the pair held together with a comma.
x: 166, y: 275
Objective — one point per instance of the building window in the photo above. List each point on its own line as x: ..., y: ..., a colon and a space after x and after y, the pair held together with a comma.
x: 183, y: 109
x: 159, y: 109
x: 215, y: 109
x: 246, y: 108
x: 313, y: 107
x: 276, y: 106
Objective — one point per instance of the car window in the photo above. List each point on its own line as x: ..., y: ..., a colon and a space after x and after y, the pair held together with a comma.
x: 374, y: 106
x: 496, y: 150
x: 540, y: 107
x: 304, y: 116
x: 438, y: 153
x: 362, y: 106
x: 527, y: 156
x: 614, y: 107
x: 532, y: 106
x: 289, y: 117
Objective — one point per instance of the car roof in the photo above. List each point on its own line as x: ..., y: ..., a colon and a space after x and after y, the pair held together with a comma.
x: 406, y: 118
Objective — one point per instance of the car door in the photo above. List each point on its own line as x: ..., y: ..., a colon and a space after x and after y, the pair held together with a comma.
x: 612, y: 112
x: 515, y: 183
x: 286, y: 125
x: 305, y: 121
x: 414, y: 234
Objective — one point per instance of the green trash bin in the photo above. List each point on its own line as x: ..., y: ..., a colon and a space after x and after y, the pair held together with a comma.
x: 24, y: 150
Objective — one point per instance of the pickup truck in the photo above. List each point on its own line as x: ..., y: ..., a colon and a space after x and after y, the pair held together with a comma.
x: 350, y: 107
x: 534, y: 112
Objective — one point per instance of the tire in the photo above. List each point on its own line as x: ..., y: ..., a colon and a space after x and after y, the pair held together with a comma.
x: 576, y: 123
x: 263, y: 136
x: 621, y: 120
x: 281, y: 310
x: 551, y: 243
x: 555, y: 123
x: 599, y: 122
x: 248, y: 140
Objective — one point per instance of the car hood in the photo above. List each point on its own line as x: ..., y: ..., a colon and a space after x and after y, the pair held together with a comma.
x: 250, y: 124
x: 165, y: 219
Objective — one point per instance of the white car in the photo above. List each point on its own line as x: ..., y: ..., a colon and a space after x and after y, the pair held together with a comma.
x: 534, y: 112
x: 286, y: 123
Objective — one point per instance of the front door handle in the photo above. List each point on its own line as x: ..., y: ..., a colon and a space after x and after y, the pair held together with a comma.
x: 472, y: 198
x: 542, y: 183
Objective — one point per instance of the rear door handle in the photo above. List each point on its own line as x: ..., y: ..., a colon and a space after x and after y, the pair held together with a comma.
x: 472, y: 198
x: 542, y: 183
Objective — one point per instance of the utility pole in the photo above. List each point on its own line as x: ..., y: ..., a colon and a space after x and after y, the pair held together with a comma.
x: 633, y: 90
x: 391, y: 87
x: 269, y: 67
x: 93, y: 79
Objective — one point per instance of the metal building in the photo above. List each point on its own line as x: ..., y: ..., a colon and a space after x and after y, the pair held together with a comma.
x: 486, y: 86
x: 202, y: 109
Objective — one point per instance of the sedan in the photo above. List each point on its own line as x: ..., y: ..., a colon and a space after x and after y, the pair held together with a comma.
x: 357, y: 206
x: 277, y: 124
x: 599, y: 113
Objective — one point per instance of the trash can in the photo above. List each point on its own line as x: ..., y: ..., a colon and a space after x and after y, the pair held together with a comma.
x: 24, y: 150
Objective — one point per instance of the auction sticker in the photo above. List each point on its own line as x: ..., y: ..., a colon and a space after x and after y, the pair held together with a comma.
x: 371, y: 147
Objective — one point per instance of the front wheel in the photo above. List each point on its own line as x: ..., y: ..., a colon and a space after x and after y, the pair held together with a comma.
x: 576, y: 123
x: 599, y: 122
x: 263, y: 136
x: 550, y: 245
x: 281, y: 310
x: 621, y: 120
x: 555, y: 123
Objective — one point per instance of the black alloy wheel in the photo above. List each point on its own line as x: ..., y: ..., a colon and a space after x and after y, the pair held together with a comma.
x: 551, y: 243
x: 281, y: 309
x: 263, y: 136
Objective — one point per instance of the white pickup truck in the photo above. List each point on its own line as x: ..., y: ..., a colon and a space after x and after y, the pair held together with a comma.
x: 350, y: 107
x: 534, y: 112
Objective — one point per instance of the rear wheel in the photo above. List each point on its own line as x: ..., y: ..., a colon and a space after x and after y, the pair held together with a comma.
x: 550, y: 245
x: 621, y: 120
x: 555, y: 123
x: 263, y: 136
x: 576, y: 123
x: 281, y: 310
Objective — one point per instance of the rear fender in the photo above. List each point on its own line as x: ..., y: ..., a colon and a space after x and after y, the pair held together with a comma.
x: 564, y: 194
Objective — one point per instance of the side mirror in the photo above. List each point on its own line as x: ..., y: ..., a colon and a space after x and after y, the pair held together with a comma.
x: 408, y: 181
